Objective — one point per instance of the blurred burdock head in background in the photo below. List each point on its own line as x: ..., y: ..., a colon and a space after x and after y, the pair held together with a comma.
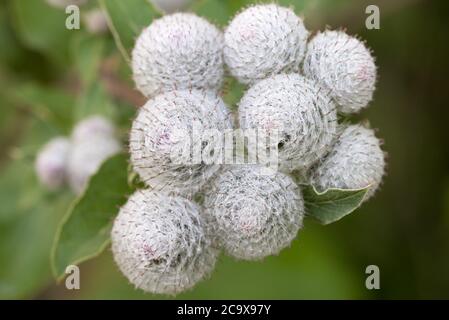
x: 51, y: 163
x: 64, y: 3
x: 74, y: 160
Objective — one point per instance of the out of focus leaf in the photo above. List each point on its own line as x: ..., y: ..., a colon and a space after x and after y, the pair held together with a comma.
x: 25, y: 242
x: 126, y: 19
x: 217, y: 11
x: 42, y: 27
x: 10, y: 50
x: 28, y: 217
x: 50, y: 105
x: 94, y: 100
x: 88, y: 52
x: 333, y: 204
x: 84, y: 232
x: 233, y: 92
x: 18, y: 190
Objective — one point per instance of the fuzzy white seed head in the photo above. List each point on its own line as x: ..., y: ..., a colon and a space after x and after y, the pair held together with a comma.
x: 343, y: 65
x: 253, y: 213
x: 159, y: 243
x: 264, y: 40
x: 179, y: 51
x: 299, y: 116
x: 165, y: 128
x: 86, y: 157
x: 93, y: 127
x: 51, y: 163
x: 96, y: 21
x: 170, y: 6
x: 356, y: 161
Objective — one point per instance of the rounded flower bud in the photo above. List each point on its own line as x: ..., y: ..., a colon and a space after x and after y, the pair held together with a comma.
x: 159, y: 243
x: 86, y: 157
x: 356, y: 161
x: 264, y: 40
x: 298, y: 116
x: 343, y: 65
x: 170, y: 6
x: 93, y: 127
x: 179, y: 51
x: 51, y: 163
x: 167, y: 142
x: 254, y: 211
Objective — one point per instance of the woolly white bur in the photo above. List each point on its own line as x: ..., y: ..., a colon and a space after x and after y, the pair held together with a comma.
x: 356, y: 161
x: 167, y: 124
x: 253, y: 211
x: 51, y: 163
x: 264, y: 40
x: 302, y: 113
x: 343, y: 65
x: 159, y: 243
x: 179, y: 51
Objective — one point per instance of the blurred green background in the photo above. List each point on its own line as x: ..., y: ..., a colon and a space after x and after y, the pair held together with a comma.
x: 51, y: 77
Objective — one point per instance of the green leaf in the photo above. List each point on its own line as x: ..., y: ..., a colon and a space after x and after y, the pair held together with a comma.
x: 25, y: 243
x: 42, y: 27
x: 84, y: 232
x: 94, y: 101
x: 217, y: 11
x: 126, y: 19
x: 87, y: 53
x: 333, y: 204
x: 29, y: 216
x: 50, y: 105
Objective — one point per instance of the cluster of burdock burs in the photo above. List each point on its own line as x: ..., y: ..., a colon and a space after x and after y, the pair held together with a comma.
x: 299, y: 85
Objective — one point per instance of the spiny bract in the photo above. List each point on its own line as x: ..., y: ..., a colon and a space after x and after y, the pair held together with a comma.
x: 264, y: 40
x: 86, y: 158
x: 159, y: 243
x: 343, y: 65
x: 253, y: 211
x: 51, y: 163
x: 166, y: 141
x: 179, y: 51
x: 356, y: 161
x: 299, y: 116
